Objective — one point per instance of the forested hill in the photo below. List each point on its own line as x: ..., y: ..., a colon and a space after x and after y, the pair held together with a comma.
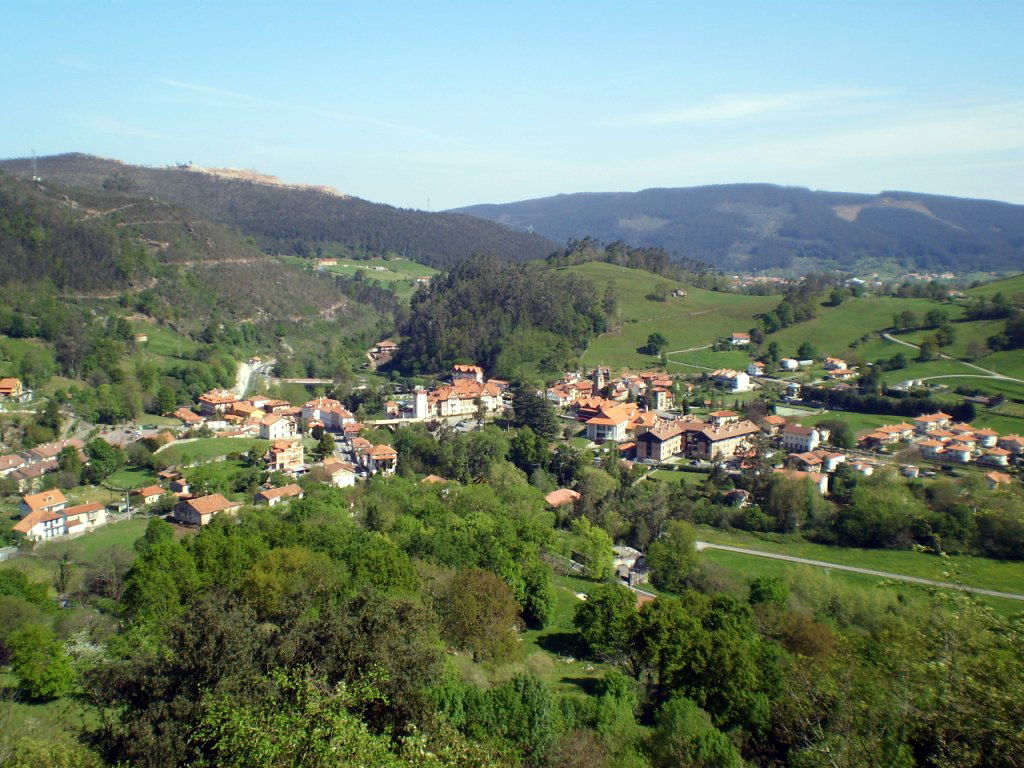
x: 761, y: 226
x: 177, y: 266
x: 295, y: 219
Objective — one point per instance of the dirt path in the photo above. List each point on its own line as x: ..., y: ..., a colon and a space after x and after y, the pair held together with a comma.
x: 988, y: 372
x: 701, y: 545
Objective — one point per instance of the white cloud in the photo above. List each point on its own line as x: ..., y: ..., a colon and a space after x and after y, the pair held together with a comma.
x: 228, y: 98
x: 742, y: 106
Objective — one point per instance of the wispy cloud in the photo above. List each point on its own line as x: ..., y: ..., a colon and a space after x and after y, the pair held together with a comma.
x: 744, y: 106
x: 229, y: 98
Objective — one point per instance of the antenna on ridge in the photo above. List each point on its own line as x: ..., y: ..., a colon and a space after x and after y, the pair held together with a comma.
x: 35, y: 171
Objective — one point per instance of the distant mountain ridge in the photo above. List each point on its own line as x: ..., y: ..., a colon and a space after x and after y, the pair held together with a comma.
x: 763, y: 226
x: 291, y: 218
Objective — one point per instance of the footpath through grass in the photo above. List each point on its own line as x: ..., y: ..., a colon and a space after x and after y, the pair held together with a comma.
x: 983, y: 572
x: 693, y: 320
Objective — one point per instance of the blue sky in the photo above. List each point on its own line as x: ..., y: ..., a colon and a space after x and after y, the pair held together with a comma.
x: 450, y: 104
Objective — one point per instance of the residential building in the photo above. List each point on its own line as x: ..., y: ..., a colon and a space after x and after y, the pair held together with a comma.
x: 464, y: 397
x: 717, y: 443
x: 661, y: 443
x: 188, y: 417
x: 772, y: 424
x: 1012, y: 443
x: 340, y: 473
x: 276, y: 426
x: 734, y: 381
x: 797, y: 438
x: 740, y: 339
x: 151, y: 494
x: 30, y: 477
x: 756, y: 368
x: 273, y: 496
x: 609, y: 424
x: 958, y: 452
x: 472, y: 372
x: 835, y: 364
x: 995, y: 479
x: 46, y: 501
x: 718, y: 418
x: 285, y: 455
x: 55, y: 521
x: 561, y: 497
x: 52, y: 450
x: 381, y: 459
x: 931, y: 421
x: 987, y: 438
x: 330, y: 413
x: 201, y: 510
x: 997, y: 456
x: 818, y: 460
x: 216, y: 401
x: 788, y: 364
x: 931, y: 449
x: 12, y: 389
x: 10, y: 463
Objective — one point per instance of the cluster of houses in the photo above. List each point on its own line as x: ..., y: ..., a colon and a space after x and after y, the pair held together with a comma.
x: 651, y: 387
x: 940, y: 439
x: 27, y: 468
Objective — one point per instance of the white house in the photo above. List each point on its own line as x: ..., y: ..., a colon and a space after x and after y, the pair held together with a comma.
x: 931, y: 449
x: 797, y: 438
x: 755, y: 369
x: 341, y: 473
x: 788, y: 364
x: 735, y: 381
x: 609, y: 423
x: 276, y: 426
x: 273, y: 496
x: 52, y: 522
x: 740, y: 339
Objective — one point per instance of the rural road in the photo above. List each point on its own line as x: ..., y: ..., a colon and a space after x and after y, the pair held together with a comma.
x: 988, y: 373
x: 702, y: 545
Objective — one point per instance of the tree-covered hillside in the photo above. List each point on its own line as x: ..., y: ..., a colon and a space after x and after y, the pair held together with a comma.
x: 287, y: 219
x: 164, y: 260
x: 762, y: 226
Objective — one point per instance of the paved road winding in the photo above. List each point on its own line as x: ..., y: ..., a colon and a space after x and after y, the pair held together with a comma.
x: 701, y: 545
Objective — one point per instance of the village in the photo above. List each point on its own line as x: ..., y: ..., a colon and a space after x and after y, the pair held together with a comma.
x: 637, y: 417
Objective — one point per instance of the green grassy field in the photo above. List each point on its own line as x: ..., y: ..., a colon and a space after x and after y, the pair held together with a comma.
x: 85, y: 548
x: 916, y: 370
x: 400, y: 272
x: 981, y: 572
x: 557, y: 642
x: 131, y: 478
x: 966, y: 332
x: 697, y: 319
x: 745, y: 568
x: 836, y: 327
x: 858, y: 422
x: 707, y: 358
x: 165, y: 341
x: 1011, y: 287
x: 672, y: 476
x: 210, y: 448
